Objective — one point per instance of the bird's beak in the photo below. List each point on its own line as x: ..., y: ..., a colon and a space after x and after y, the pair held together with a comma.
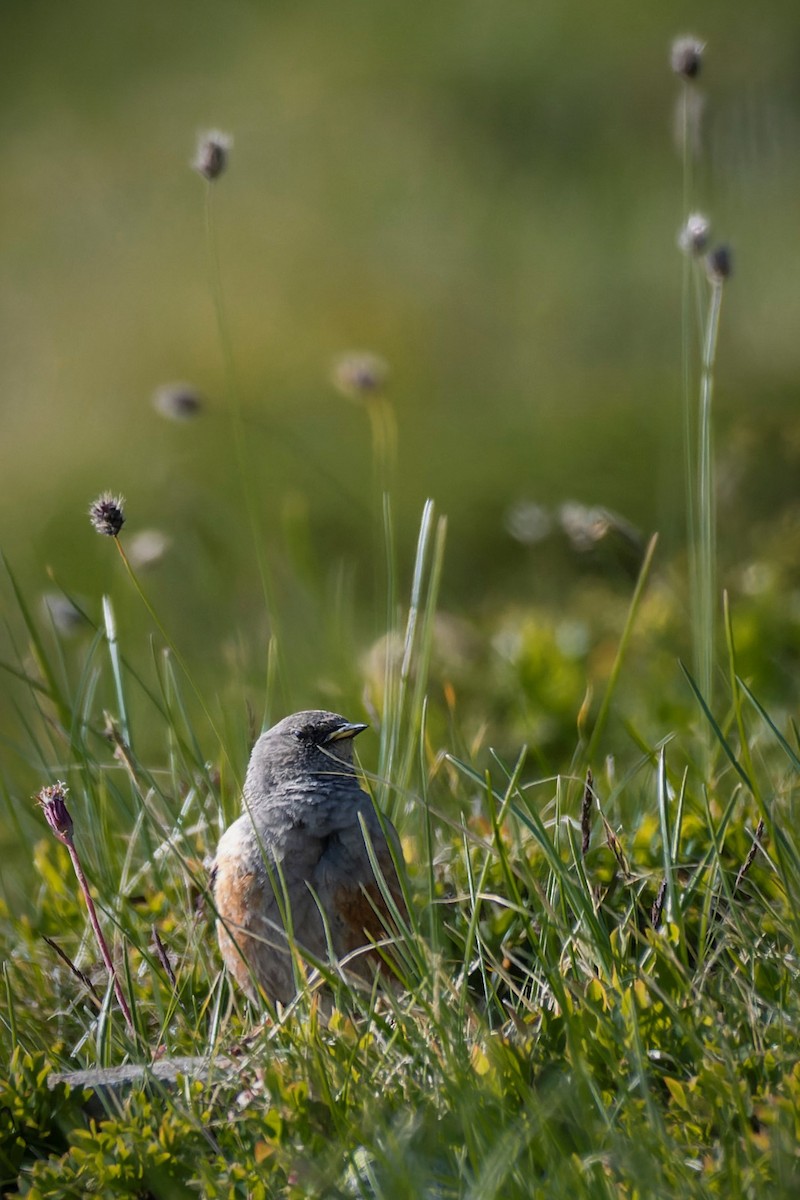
x: 345, y: 731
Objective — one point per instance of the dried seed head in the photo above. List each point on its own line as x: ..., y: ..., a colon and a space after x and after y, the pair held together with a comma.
x: 719, y: 264
x: 686, y: 56
x: 359, y: 374
x: 107, y: 515
x: 211, y: 158
x: 657, y: 908
x: 693, y: 238
x: 751, y: 855
x: 54, y: 806
x: 586, y: 813
x: 177, y: 401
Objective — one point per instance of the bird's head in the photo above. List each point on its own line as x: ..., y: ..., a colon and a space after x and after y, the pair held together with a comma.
x: 313, y: 744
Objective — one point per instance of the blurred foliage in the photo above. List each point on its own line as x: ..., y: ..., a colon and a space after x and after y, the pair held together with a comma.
x: 486, y: 196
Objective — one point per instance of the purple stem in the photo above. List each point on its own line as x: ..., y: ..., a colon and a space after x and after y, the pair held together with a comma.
x: 98, y: 933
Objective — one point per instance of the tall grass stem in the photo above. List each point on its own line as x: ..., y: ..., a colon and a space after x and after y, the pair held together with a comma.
x: 706, y: 532
x: 234, y: 398
x: 98, y: 933
x: 110, y: 623
x: 613, y: 679
x: 181, y: 661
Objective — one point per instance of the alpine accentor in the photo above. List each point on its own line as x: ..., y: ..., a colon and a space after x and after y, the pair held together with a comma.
x: 299, y: 851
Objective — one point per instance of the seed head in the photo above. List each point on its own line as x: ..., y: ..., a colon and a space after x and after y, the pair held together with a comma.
x: 359, y: 374
x: 177, y: 401
x: 586, y: 814
x: 686, y: 57
x: 693, y: 238
x: 53, y: 800
x: 657, y: 908
x: 719, y: 264
x: 211, y: 158
x: 107, y: 515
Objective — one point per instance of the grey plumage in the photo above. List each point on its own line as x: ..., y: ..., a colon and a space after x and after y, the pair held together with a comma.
x: 299, y: 846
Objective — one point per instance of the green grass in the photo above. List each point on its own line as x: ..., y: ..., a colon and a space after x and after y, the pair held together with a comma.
x: 547, y: 1031
x: 597, y: 990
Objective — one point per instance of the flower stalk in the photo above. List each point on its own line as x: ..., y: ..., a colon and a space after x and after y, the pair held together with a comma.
x: 53, y: 801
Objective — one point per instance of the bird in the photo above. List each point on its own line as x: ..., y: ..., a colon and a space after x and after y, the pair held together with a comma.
x: 298, y: 853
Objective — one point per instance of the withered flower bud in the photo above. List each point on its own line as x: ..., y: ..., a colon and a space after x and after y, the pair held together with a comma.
x: 53, y: 800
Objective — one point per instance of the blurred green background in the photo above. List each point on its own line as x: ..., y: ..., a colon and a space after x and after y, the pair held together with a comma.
x: 485, y: 194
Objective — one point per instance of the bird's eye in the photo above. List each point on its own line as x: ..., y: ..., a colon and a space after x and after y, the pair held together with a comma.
x: 300, y: 734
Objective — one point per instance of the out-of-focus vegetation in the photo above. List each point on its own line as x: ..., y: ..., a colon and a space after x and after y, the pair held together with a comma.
x: 486, y: 195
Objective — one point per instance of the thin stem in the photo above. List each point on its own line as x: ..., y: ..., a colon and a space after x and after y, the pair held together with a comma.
x: 175, y: 653
x: 383, y: 430
x: 223, y: 331
x: 113, y: 648
x: 706, y: 533
x: 383, y: 436
x: 691, y: 309
x: 613, y: 679
x: 237, y: 422
x: 98, y: 933
x: 686, y: 332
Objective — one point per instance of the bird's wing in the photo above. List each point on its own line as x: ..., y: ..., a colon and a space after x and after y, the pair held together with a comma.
x: 346, y: 886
